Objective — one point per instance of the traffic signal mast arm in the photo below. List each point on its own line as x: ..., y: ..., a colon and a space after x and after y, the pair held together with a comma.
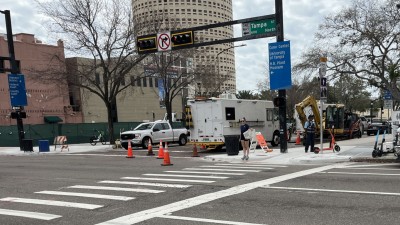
x: 190, y: 32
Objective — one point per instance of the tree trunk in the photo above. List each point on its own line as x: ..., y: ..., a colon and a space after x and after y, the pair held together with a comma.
x: 110, y: 125
x: 168, y: 106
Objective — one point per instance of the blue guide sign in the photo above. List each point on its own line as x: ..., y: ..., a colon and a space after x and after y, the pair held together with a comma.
x: 280, y: 70
x: 16, y: 83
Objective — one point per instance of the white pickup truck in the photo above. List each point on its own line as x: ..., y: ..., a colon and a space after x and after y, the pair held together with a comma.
x: 155, y: 132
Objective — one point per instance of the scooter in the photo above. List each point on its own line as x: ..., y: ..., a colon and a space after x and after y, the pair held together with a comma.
x: 332, y: 145
x: 395, y: 147
x: 378, y: 152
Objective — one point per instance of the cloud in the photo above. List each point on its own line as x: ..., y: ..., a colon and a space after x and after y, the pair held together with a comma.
x: 301, y: 20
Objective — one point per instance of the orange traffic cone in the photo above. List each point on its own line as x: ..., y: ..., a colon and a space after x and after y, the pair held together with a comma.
x: 150, y: 148
x: 160, y: 151
x: 130, y: 152
x: 167, y: 161
x: 298, y: 140
x: 195, y: 153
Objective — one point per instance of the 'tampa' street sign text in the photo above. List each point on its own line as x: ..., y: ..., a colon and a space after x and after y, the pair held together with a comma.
x: 259, y: 27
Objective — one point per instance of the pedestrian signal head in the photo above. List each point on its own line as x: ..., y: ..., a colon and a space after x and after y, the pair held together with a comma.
x: 279, y: 102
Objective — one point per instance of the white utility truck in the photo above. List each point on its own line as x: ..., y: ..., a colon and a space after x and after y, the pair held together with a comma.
x: 210, y: 120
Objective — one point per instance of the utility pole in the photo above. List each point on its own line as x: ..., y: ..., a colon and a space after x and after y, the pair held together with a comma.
x: 14, y: 70
x: 281, y: 92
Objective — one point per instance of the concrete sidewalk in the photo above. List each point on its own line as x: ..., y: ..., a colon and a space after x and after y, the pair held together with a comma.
x: 293, y: 156
x: 74, y: 148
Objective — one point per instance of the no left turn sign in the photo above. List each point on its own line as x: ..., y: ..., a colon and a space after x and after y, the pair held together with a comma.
x: 164, y: 41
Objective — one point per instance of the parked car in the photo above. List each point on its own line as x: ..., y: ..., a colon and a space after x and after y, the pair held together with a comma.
x: 376, y: 125
x: 364, y: 124
x: 154, y: 132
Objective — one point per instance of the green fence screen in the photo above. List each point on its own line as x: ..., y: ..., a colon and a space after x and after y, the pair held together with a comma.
x: 76, y: 133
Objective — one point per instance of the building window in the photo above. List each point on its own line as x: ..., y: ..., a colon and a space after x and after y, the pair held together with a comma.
x: 97, y: 77
x: 170, y: 82
x: 150, y: 82
x: 132, y: 80
x: 2, y: 66
x: 144, y: 82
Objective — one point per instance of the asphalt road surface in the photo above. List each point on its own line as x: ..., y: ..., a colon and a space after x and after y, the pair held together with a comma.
x: 108, y: 188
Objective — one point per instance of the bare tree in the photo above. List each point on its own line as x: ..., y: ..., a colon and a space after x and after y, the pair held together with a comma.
x: 104, y: 32
x: 362, y: 41
x: 208, y: 79
x: 174, y: 75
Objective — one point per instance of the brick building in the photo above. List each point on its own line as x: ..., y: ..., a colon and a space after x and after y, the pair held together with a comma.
x: 48, y: 102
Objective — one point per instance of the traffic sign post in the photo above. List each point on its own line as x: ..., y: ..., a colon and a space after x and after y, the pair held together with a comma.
x: 388, y: 104
x: 15, y: 70
x: 259, y: 27
x: 280, y: 70
x: 387, y: 95
x: 16, y: 84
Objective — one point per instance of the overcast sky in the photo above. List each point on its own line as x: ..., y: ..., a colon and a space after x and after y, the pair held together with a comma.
x: 301, y: 20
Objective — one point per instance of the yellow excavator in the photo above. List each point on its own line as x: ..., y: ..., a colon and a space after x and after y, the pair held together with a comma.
x: 335, y: 117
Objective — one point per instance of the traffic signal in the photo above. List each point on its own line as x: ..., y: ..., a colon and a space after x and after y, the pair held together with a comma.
x: 18, y: 114
x: 182, y: 38
x: 279, y: 102
x: 147, y: 44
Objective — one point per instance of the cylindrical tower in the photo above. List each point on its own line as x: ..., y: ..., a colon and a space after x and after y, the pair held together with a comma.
x: 177, y: 14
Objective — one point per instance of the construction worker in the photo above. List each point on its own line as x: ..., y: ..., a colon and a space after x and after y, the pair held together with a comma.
x: 309, y: 127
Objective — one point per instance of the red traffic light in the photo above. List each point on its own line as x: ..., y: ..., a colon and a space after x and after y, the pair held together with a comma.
x: 183, y: 38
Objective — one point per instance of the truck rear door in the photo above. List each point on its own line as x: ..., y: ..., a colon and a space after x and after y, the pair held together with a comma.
x: 204, y: 120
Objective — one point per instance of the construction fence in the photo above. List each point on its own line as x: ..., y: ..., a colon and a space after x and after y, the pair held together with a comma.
x: 76, y: 133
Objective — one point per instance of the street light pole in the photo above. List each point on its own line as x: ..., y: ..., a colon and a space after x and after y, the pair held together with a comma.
x: 281, y: 92
x: 372, y: 104
x: 14, y: 70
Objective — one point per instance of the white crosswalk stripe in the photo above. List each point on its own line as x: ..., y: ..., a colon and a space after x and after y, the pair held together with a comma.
x: 203, y: 172
x: 180, y: 175
x: 51, y: 202
x: 28, y: 214
x: 249, y: 165
x: 116, y: 189
x: 227, y: 170
x: 146, y: 184
x: 239, y: 167
x: 164, y: 179
x: 87, y: 195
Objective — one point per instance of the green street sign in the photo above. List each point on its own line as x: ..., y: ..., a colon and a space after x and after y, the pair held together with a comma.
x: 259, y: 27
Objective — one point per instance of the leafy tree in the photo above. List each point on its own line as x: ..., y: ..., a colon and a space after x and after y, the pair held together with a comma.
x: 245, y: 94
x: 362, y: 41
x: 350, y: 92
x: 103, y: 31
